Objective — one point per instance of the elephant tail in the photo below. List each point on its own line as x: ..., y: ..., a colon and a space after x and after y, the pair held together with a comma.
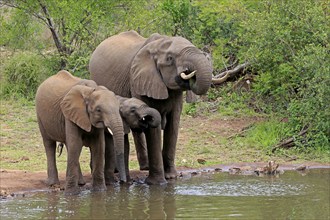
x: 60, y: 148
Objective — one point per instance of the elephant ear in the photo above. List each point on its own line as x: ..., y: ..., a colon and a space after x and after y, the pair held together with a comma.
x: 146, y: 79
x: 73, y: 106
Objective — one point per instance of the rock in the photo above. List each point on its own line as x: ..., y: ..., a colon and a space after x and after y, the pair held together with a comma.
x: 301, y: 167
x: 201, y: 161
x: 234, y: 170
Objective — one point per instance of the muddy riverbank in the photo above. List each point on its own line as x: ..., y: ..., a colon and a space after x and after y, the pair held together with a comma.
x: 15, y: 183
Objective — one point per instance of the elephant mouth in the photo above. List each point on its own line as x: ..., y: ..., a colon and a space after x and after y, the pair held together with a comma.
x: 99, y: 124
x: 186, y: 78
x: 143, y: 123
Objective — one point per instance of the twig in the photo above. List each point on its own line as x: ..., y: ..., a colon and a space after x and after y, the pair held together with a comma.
x: 242, y: 132
x: 290, y: 142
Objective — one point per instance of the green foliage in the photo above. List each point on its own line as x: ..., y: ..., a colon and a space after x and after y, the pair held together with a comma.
x: 190, y: 109
x: 24, y: 72
x: 268, y: 133
x: 223, y: 100
x: 229, y: 102
x: 21, y: 32
x: 283, y: 30
x: 182, y: 17
x: 218, y: 29
x: 291, y: 58
x: 310, y: 107
x: 74, y: 25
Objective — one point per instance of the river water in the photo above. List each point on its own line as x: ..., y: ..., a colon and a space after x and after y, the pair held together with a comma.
x: 291, y: 195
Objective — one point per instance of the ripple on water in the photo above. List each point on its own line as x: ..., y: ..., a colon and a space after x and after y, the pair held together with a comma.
x: 257, y: 187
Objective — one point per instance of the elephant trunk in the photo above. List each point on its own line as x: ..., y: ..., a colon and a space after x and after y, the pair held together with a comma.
x: 198, y: 71
x: 117, y: 130
x: 149, y: 116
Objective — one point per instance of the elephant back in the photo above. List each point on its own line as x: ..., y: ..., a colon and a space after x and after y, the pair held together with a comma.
x: 110, y: 63
x: 48, y: 97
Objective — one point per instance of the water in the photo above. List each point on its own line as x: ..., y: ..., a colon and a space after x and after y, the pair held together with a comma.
x: 292, y: 195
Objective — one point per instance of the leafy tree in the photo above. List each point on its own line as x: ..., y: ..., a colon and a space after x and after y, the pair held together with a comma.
x: 72, y: 24
x: 181, y: 17
x: 18, y: 31
x: 219, y: 28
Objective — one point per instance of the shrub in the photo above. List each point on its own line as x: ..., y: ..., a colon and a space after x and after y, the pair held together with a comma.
x: 310, y: 107
x: 23, y: 73
x: 291, y: 57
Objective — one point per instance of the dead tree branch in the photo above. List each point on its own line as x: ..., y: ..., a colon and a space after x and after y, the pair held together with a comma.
x: 289, y: 142
x: 51, y: 27
x: 223, y: 76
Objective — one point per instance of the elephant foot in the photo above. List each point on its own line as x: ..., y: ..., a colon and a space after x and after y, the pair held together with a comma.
x: 81, y: 182
x: 155, y: 180
x: 53, y: 182
x: 143, y: 163
x: 110, y: 180
x: 72, y: 191
x: 170, y: 172
x: 99, y: 188
x: 144, y: 167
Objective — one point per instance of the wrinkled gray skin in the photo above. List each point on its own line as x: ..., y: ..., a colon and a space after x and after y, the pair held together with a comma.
x: 149, y: 69
x: 136, y: 116
x: 76, y: 112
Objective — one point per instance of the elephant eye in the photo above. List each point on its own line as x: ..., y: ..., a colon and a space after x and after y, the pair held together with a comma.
x: 98, y: 109
x: 169, y: 59
x: 133, y: 109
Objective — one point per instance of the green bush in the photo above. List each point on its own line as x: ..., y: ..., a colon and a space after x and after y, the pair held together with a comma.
x: 23, y: 73
x: 310, y: 107
x: 291, y: 57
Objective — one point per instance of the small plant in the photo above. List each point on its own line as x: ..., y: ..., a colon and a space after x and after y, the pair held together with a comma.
x: 190, y: 109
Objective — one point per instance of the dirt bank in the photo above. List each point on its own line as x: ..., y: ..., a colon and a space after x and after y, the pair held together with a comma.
x: 18, y: 183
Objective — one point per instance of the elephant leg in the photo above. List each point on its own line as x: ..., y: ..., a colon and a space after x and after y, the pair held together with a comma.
x: 98, y: 164
x: 141, y: 150
x: 169, y: 144
x: 50, y: 148
x: 81, y: 180
x: 110, y: 160
x: 126, y: 152
x: 72, y: 171
x: 156, y: 169
x: 74, y: 146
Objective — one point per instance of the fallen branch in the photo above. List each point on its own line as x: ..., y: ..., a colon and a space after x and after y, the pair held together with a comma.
x: 290, y: 142
x: 222, y: 77
x: 242, y: 132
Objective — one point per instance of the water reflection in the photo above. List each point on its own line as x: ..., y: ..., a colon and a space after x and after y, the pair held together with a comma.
x: 220, y: 196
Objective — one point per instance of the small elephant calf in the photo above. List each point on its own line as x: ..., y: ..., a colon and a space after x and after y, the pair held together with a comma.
x: 137, y: 116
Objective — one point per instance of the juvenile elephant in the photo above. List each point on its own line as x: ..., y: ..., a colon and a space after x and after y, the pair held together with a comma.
x: 76, y: 112
x: 155, y: 70
x: 136, y: 116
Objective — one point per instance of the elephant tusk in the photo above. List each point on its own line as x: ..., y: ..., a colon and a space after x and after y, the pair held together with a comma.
x: 110, y: 131
x: 190, y: 75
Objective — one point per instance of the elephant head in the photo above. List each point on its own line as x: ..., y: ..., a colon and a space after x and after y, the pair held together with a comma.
x: 169, y: 63
x: 137, y: 115
x: 96, y: 107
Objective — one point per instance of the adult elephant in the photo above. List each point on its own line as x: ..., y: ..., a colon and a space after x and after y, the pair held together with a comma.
x: 76, y: 112
x: 156, y: 70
